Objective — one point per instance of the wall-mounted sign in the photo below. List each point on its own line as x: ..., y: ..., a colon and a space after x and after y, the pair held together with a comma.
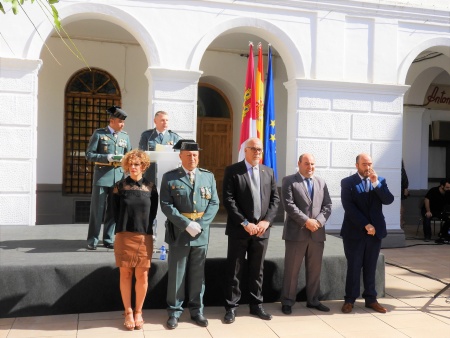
x: 438, y: 97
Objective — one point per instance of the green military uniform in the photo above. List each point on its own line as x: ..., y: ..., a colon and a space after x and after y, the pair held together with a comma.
x: 150, y: 138
x: 106, y: 174
x: 177, y: 197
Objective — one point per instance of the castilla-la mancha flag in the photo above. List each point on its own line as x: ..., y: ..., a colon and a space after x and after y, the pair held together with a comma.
x: 248, y: 123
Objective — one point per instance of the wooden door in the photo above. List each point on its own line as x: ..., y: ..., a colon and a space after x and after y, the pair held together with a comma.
x: 214, y: 138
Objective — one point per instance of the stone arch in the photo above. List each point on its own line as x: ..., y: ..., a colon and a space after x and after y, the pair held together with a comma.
x: 292, y: 59
x: 420, y: 82
x: 406, y: 63
x: 104, y: 12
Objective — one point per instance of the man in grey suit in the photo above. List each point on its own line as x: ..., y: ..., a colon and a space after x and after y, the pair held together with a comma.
x: 308, y: 205
x: 251, y: 199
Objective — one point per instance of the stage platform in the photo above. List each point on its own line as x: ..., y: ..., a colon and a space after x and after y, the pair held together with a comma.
x: 47, y: 270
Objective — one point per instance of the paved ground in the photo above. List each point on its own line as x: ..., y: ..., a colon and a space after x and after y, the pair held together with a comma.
x: 417, y: 299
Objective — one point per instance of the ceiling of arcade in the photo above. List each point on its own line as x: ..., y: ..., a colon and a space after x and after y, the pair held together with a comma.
x: 432, y: 66
x: 91, y: 30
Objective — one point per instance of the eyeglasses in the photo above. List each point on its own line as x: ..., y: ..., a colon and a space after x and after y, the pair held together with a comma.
x: 254, y: 149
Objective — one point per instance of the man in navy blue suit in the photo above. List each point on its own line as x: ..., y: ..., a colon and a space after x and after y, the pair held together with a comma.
x: 363, y: 196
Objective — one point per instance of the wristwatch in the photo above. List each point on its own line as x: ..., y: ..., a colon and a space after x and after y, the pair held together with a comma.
x: 245, y: 223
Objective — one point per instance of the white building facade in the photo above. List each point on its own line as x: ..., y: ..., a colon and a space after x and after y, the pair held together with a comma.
x: 349, y: 76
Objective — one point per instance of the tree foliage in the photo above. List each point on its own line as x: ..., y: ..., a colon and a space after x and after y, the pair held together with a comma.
x: 47, y: 4
x: 50, y: 11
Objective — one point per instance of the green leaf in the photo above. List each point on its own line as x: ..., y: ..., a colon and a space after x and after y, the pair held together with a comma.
x: 2, y: 9
x: 14, y: 5
x: 56, y: 18
x: 51, y: 2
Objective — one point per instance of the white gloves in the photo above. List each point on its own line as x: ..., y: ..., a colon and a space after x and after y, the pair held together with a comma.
x: 194, y: 229
x: 114, y: 158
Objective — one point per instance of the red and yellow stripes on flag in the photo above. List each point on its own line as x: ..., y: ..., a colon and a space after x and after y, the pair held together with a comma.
x: 248, y: 123
x: 259, y: 84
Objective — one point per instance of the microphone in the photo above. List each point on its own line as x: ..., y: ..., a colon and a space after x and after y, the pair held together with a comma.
x: 148, y: 144
x: 170, y: 131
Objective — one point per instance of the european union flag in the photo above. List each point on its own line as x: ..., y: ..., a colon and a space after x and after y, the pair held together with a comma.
x: 270, y: 142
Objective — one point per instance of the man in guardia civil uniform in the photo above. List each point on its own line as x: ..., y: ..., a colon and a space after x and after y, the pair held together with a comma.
x: 158, y: 135
x: 106, y: 148
x: 188, y: 198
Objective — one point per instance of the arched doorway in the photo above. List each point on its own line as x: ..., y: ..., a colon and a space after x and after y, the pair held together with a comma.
x: 89, y: 93
x: 214, y: 131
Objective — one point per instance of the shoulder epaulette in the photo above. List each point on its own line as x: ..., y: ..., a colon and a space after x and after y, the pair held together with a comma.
x: 124, y: 132
x: 204, y: 170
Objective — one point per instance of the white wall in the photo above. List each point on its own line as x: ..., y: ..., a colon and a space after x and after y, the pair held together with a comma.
x: 126, y: 63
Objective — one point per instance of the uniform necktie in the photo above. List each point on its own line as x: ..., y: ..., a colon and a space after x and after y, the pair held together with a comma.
x: 160, y: 137
x: 115, y: 135
x: 191, y: 177
x: 310, y: 188
x: 366, y: 184
x: 256, y: 193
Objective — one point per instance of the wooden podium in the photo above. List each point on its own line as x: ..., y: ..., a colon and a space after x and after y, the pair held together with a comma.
x: 161, y: 162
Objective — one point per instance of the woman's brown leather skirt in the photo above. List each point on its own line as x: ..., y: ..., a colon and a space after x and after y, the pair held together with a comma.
x: 133, y: 250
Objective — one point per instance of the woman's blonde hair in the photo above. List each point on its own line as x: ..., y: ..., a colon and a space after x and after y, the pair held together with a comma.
x: 135, y: 154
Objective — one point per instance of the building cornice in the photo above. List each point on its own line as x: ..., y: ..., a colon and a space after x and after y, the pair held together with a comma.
x: 389, y: 9
x: 354, y: 87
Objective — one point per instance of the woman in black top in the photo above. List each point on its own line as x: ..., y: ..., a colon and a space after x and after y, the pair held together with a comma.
x: 135, y: 207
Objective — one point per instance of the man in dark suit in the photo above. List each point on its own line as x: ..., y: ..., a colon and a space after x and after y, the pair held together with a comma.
x: 188, y: 197
x: 106, y: 148
x: 251, y: 199
x: 308, y: 205
x: 363, y: 196
x: 158, y: 135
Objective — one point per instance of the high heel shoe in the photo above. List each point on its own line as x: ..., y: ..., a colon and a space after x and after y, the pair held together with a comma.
x: 129, y: 325
x: 138, y: 324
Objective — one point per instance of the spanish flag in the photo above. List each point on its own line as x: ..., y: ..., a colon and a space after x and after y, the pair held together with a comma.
x: 259, y: 83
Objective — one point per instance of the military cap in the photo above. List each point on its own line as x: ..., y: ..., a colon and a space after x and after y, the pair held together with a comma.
x: 190, y: 146
x: 177, y: 145
x: 117, y: 112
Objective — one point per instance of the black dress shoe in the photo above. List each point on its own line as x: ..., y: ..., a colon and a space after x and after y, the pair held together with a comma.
x: 319, y: 307
x: 286, y: 309
x: 172, y: 322
x: 109, y: 245
x: 259, y: 311
x: 200, y: 320
x: 229, y: 316
x: 91, y: 247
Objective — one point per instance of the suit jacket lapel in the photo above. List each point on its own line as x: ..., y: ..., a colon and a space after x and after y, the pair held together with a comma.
x: 246, y: 174
x: 303, y: 187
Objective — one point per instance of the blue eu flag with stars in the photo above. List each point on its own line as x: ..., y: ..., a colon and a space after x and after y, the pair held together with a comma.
x: 270, y: 142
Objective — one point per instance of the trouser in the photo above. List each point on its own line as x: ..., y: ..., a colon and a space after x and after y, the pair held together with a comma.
x: 255, y: 248
x: 361, y: 254
x: 186, y: 262
x: 101, y: 199
x: 295, y: 251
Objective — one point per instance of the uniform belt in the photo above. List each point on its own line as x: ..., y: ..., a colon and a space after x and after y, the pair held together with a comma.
x: 112, y: 164
x: 193, y: 215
